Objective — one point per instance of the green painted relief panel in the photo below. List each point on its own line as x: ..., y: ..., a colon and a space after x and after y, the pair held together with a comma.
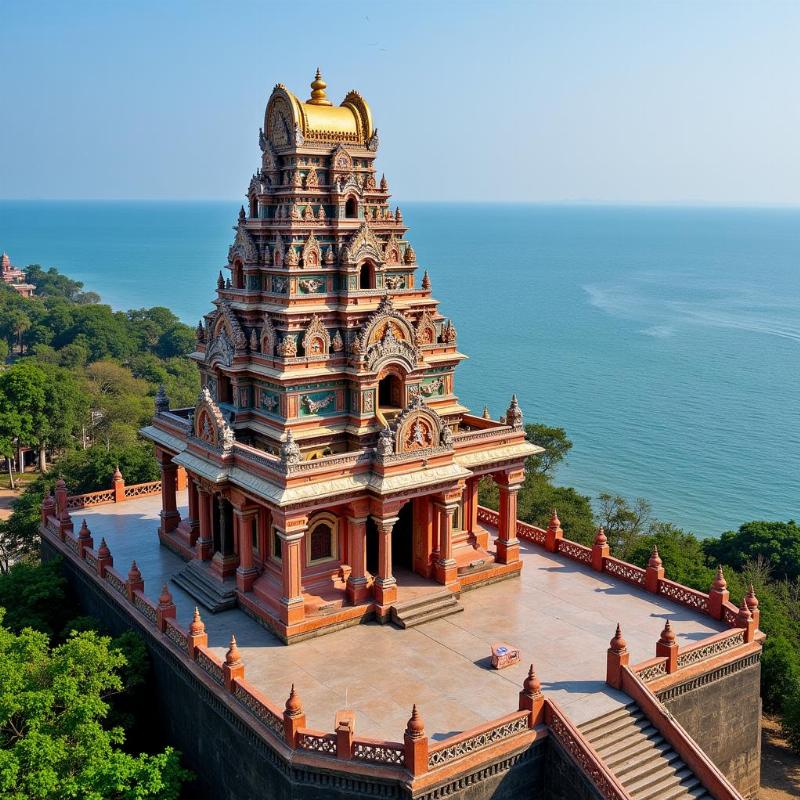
x: 318, y: 404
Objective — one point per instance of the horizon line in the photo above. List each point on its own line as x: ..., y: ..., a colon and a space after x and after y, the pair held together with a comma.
x: 788, y: 205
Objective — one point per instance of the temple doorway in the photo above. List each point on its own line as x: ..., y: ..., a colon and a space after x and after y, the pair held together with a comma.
x: 222, y: 528
x: 403, y: 539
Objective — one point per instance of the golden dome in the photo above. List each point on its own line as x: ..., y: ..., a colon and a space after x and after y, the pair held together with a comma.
x: 317, y: 119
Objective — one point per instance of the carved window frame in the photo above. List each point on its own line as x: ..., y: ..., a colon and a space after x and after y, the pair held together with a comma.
x: 332, y: 522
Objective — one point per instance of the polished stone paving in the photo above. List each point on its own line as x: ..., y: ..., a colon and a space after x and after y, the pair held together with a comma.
x: 560, y: 614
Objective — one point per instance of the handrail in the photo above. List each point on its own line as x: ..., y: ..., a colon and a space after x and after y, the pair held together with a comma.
x: 578, y: 748
x: 687, y: 749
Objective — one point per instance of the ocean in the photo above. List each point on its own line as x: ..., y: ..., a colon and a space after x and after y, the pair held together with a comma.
x: 665, y: 340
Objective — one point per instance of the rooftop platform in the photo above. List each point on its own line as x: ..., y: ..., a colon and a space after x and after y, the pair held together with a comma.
x: 559, y: 613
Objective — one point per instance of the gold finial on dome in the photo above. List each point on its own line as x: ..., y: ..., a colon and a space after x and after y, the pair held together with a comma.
x: 318, y: 96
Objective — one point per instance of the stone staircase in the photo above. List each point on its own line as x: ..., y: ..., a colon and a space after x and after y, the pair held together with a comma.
x: 641, y: 759
x: 425, y: 608
x: 206, y: 588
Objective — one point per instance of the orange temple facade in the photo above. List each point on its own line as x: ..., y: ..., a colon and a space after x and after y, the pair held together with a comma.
x: 328, y: 461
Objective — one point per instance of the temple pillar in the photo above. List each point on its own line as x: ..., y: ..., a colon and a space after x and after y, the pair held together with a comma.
x: 291, y: 530
x: 446, y: 570
x: 192, y: 523
x: 507, y: 544
x: 385, y: 582
x: 243, y: 522
x: 224, y: 560
x: 169, y: 485
x: 357, y: 589
x: 205, y: 539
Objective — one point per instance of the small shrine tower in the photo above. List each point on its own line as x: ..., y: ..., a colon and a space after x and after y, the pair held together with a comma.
x: 328, y: 453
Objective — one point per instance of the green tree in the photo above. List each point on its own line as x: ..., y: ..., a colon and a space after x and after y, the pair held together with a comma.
x: 556, y: 446
x: 776, y: 542
x: 622, y: 521
x: 54, y: 738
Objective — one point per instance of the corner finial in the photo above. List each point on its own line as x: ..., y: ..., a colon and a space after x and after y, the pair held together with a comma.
x: 618, y: 644
x: 293, y: 704
x: 531, y: 685
x: 415, y: 727
x: 719, y: 583
x: 751, y: 599
x: 667, y: 635
x: 232, y: 657
x: 197, y: 628
x: 655, y: 559
x: 318, y: 96
x: 601, y: 540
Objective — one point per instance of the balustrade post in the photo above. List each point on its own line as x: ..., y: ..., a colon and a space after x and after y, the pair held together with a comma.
x: 752, y: 605
x: 84, y: 539
x: 104, y: 559
x: 293, y: 718
x: 667, y: 647
x: 134, y: 582
x: 197, y: 636
x: 744, y: 619
x: 233, y: 667
x: 654, y: 572
x: 48, y: 509
x: 415, y: 744
x: 64, y: 519
x: 531, y: 699
x: 165, y: 609
x: 554, y: 533
x: 617, y: 657
x: 118, y: 484
x: 600, y: 550
x: 718, y: 595
x: 345, y: 733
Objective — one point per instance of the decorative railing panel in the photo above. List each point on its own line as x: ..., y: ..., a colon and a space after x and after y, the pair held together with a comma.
x: 143, y: 605
x: 90, y: 499
x: 683, y: 595
x: 650, y: 671
x: 259, y: 709
x: 114, y: 580
x: 90, y: 557
x: 488, y: 516
x: 209, y: 666
x: 176, y: 635
x: 621, y: 569
x: 581, y: 752
x: 702, y: 651
x: 73, y: 544
x: 730, y: 616
x: 379, y: 752
x: 142, y: 489
x: 469, y: 743
x: 531, y: 533
x: 575, y: 551
x: 317, y: 742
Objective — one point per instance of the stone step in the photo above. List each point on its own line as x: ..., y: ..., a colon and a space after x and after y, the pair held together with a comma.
x: 588, y: 728
x: 671, y: 786
x: 211, y: 593
x: 648, y: 748
x: 423, y: 600
x: 649, y: 770
x: 614, y: 726
x: 435, y: 606
x: 614, y: 746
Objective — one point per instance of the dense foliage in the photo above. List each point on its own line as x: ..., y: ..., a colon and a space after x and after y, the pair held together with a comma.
x: 79, y: 383
x: 67, y: 693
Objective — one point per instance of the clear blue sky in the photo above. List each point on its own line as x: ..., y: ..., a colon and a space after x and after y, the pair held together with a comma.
x: 563, y: 101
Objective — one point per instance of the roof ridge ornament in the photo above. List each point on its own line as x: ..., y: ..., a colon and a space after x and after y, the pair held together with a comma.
x: 318, y: 96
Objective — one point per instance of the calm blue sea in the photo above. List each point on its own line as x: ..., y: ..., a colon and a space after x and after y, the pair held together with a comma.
x: 665, y: 340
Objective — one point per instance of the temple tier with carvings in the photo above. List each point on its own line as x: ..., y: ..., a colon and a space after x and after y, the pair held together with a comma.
x: 329, y: 460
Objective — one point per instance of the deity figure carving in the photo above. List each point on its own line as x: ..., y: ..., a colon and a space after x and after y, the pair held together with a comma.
x: 290, y: 452
x: 329, y: 256
x: 337, y: 344
x: 288, y: 346
x: 311, y: 251
x: 292, y: 258
x: 312, y: 182
x: 385, y: 445
x: 317, y: 340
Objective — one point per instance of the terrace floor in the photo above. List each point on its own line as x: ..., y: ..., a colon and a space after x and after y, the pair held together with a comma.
x: 559, y: 613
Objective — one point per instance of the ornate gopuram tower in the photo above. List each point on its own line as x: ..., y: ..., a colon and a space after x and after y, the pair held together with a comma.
x: 329, y: 460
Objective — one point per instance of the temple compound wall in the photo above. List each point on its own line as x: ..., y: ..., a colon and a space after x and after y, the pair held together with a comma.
x: 722, y: 709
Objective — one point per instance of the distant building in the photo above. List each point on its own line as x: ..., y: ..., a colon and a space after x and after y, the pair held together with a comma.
x: 15, y: 277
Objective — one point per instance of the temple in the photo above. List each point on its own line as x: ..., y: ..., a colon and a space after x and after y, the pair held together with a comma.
x: 332, y: 471
x: 14, y: 277
x: 328, y: 476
